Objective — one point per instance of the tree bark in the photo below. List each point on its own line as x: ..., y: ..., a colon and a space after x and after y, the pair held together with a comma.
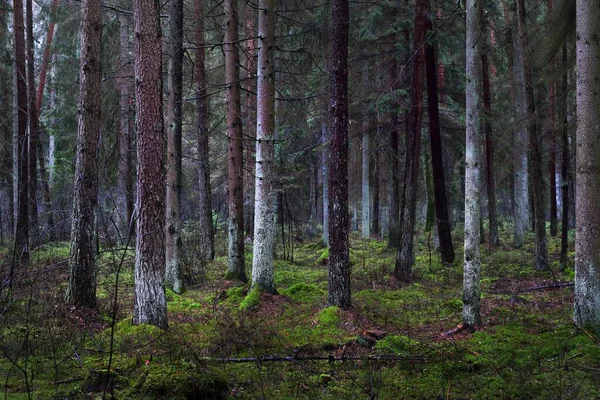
x: 173, y: 241
x: 6, y: 123
x: 339, y: 257
x: 552, y: 133
x: 437, y: 159
x: 587, y: 233
x: 249, y: 118
x: 325, y: 167
x: 150, y: 303
x: 125, y: 132
x: 263, y: 276
x: 534, y: 146
x: 405, y: 255
x: 82, y: 260
x: 235, y: 266
x: 566, y: 160
x: 521, y: 145
x: 22, y: 225
x: 376, y: 191
x: 366, y: 195
x: 33, y: 126
x: 472, y: 261
x: 206, y: 231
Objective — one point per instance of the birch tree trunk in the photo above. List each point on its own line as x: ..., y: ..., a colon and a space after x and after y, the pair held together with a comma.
x: 264, y: 212
x: 173, y: 276
x: 235, y: 265
x: 339, y: 257
x: 82, y: 260
x: 587, y: 235
x: 150, y: 305
x: 206, y: 231
x: 473, y: 158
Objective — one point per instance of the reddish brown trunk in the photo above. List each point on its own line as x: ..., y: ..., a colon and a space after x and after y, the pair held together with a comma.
x: 32, y: 130
x: 339, y: 257
x: 249, y: 120
x: 405, y: 256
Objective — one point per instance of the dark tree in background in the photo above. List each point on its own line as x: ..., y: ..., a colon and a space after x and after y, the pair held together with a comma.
x: 339, y: 262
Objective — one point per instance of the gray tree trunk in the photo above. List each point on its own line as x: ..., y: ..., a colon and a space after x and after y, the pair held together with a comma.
x: 82, y: 260
x: 150, y: 305
x: 521, y: 146
x: 325, y: 167
x: 235, y: 265
x: 587, y: 234
x: 206, y: 231
x: 366, y: 196
x: 264, y: 221
x: 473, y: 160
x: 173, y: 243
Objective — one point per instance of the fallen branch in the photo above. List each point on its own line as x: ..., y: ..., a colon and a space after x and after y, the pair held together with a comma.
x: 330, y: 358
x: 69, y: 380
x: 557, y: 285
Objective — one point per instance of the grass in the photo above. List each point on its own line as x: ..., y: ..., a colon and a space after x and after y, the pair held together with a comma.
x: 527, y: 347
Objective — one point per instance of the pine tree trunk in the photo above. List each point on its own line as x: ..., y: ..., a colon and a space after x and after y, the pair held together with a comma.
x: 437, y: 159
x: 6, y: 124
x: 587, y: 235
x: 33, y: 128
x: 264, y: 223
x: 394, y: 226
x: 405, y: 255
x: 325, y: 167
x: 521, y: 145
x: 205, y: 228
x: 173, y: 241
x: 534, y: 147
x: 125, y: 132
x: 150, y: 305
x: 366, y: 195
x: 339, y: 257
x: 473, y: 158
x: 489, y: 145
x: 249, y: 119
x: 82, y: 260
x: 376, y: 192
x: 235, y: 266
x: 566, y: 160
x: 22, y: 224
x: 552, y: 134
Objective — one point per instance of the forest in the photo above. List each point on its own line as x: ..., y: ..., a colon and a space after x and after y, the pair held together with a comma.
x: 299, y: 199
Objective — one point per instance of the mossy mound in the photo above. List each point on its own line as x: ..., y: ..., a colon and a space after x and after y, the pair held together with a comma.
x: 304, y: 292
x: 178, y: 382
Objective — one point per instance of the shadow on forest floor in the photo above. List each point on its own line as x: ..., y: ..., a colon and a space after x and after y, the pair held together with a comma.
x: 390, y: 345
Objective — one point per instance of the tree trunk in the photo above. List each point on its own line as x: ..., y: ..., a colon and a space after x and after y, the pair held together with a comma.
x: 206, y: 231
x: 339, y: 257
x: 587, y: 235
x: 489, y: 145
x: 33, y: 127
x: 173, y: 243
x: 473, y: 158
x: 521, y: 145
x: 566, y: 160
x: 437, y: 159
x: 552, y: 134
x: 264, y: 213
x: 150, y: 303
x: 376, y: 191
x: 249, y: 119
x: 82, y: 260
x: 534, y: 147
x: 6, y: 123
x: 325, y: 167
x: 394, y: 226
x: 22, y: 225
x: 125, y: 132
x: 366, y: 195
x: 405, y: 255
x: 235, y: 266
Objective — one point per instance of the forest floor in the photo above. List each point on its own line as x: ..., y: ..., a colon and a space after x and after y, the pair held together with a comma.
x: 224, y: 343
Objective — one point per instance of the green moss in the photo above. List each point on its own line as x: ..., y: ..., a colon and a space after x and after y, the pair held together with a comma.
x: 251, y: 300
x: 323, y: 256
x: 329, y: 317
x: 304, y: 292
x: 396, y: 344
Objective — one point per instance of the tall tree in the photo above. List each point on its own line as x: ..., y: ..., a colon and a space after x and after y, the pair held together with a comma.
x: 126, y: 129
x: 541, y: 249
x: 566, y: 160
x: 552, y: 86
x: 325, y: 176
x: 249, y: 117
x: 264, y: 212
x: 32, y: 134
x: 473, y: 158
x: 235, y: 265
x: 6, y: 120
x: 365, y: 127
x: 22, y: 225
x: 82, y: 260
x: 405, y: 254
x: 173, y: 242
x: 339, y: 257
x: 587, y: 235
x: 207, y: 242
x: 521, y: 143
x: 437, y: 157
x: 489, y: 139
x: 150, y: 302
